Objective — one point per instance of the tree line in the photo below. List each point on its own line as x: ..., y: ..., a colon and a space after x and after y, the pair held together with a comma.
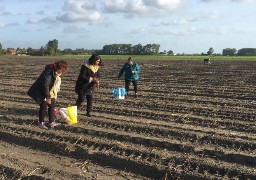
x: 51, y: 49
x: 240, y: 52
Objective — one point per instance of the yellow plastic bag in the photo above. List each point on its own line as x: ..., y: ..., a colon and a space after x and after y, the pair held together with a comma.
x: 68, y: 114
x: 72, y: 115
x: 61, y: 114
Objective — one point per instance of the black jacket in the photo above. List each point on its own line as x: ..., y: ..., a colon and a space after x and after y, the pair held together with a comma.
x: 40, y: 89
x: 83, y: 81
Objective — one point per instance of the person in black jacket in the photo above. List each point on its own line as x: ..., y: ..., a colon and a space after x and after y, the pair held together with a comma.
x: 88, y: 81
x: 44, y: 91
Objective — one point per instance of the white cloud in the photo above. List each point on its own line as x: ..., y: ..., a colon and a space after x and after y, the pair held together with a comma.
x: 215, y: 15
x: 149, y: 8
x: 6, y: 13
x: 79, y: 11
x: 113, y: 6
x: 72, y: 12
x: 130, y: 21
x: 72, y: 17
x: 162, y: 4
x: 12, y: 24
x: 74, y: 29
x: 207, y: 0
x: 185, y: 21
x: 2, y: 25
x: 40, y: 12
x: 246, y: 1
x: 33, y: 21
x: 192, y: 31
x: 174, y: 22
x: 79, y: 6
x: 107, y: 22
x: 3, y: 11
x: 46, y: 20
x: 137, y: 31
x: 49, y: 20
x: 2, y: 8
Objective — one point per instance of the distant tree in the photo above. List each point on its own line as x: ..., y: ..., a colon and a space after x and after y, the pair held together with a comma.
x: 155, y: 48
x: 1, y: 49
x: 170, y: 52
x: 126, y: 49
x: 30, y: 51
x: 120, y: 48
x: 41, y: 52
x: 137, y: 49
x: 67, y: 51
x: 106, y: 49
x: 148, y: 49
x: 229, y: 52
x: 115, y: 49
x: 246, y: 52
x: 210, y: 51
x: 52, y: 47
x: 36, y: 52
x: 4, y: 51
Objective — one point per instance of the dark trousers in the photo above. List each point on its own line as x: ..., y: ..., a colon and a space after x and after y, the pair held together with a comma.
x: 43, y: 109
x: 81, y: 98
x: 127, y: 85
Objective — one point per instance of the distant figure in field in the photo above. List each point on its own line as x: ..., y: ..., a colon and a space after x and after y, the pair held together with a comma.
x: 132, y: 71
x: 44, y: 91
x: 207, y: 61
x: 87, y: 82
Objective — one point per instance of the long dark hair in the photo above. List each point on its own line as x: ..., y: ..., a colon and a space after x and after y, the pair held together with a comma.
x: 92, y: 60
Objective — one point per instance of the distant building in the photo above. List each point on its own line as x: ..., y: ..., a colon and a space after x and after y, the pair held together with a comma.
x: 22, y: 52
x: 11, y: 51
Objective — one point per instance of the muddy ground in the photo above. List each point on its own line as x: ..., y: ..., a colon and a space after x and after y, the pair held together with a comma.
x: 191, y: 121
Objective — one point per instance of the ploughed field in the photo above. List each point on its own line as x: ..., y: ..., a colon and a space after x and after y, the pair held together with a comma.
x: 190, y: 121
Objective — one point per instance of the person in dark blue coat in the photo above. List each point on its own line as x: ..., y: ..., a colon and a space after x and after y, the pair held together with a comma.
x: 44, y: 91
x: 88, y: 81
x: 132, y: 72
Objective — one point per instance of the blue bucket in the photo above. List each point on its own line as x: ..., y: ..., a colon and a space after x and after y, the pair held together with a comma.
x: 119, y: 93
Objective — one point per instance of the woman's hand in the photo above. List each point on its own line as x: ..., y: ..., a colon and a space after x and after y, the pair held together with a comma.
x: 98, y: 84
x: 48, y: 100
x: 95, y: 80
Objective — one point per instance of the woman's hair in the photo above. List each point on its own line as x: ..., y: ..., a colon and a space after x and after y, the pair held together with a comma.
x: 61, y: 65
x: 130, y: 59
x: 92, y: 60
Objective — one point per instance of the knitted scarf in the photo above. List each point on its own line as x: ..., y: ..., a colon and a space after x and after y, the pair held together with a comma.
x: 56, y: 87
x: 94, y: 68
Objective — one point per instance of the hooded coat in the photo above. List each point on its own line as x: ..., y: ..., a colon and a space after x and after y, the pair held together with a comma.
x: 40, y: 89
x: 84, y: 83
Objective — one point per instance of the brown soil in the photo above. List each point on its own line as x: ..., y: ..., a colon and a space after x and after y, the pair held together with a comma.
x: 191, y: 121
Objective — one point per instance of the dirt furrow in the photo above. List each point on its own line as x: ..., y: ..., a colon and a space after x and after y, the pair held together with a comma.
x: 163, y: 143
x: 70, y: 146
x: 190, y: 122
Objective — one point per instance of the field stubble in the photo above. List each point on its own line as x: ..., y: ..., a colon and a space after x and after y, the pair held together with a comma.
x: 191, y: 121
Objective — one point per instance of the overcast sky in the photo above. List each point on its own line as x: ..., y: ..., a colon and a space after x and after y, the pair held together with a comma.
x: 183, y: 26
